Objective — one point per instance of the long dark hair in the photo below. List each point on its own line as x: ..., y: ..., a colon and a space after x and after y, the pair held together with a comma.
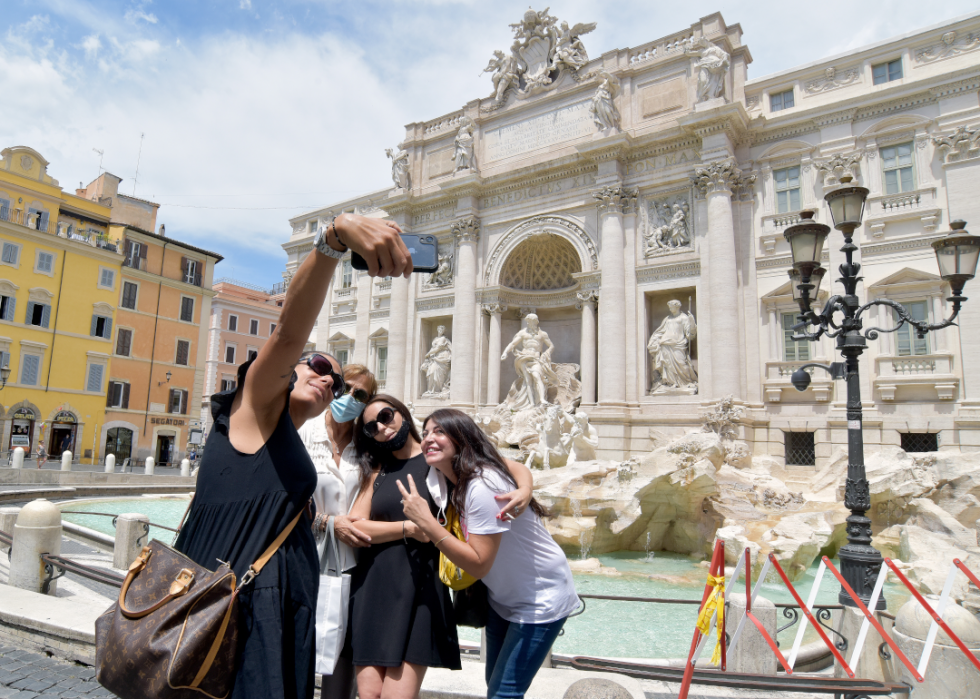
x: 474, y: 454
x: 367, y: 459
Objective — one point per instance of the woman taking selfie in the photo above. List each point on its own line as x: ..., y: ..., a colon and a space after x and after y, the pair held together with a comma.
x: 401, y: 620
x: 530, y: 585
x: 256, y: 478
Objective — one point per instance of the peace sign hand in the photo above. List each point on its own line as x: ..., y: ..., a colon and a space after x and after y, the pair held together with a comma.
x: 416, y: 507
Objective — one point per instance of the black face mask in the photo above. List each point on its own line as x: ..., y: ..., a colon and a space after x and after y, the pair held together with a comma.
x: 395, y: 443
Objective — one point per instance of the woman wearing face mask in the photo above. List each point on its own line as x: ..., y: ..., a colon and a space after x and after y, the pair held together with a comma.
x: 401, y: 619
x: 329, y: 440
x: 256, y: 478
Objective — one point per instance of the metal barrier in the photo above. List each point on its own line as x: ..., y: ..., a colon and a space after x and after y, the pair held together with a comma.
x: 51, y: 563
x: 114, y: 518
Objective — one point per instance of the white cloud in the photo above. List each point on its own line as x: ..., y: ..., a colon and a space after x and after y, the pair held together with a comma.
x: 245, y: 4
x: 134, y: 16
x: 91, y: 44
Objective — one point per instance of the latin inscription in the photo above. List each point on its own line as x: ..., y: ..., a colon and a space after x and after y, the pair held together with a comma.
x: 565, y: 124
x: 518, y: 195
x: 663, y: 161
x: 434, y: 216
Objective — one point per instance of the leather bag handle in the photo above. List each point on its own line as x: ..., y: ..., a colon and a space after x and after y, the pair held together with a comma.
x: 179, y: 586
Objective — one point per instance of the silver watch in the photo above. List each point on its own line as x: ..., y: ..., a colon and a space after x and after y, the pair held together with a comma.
x: 321, y: 245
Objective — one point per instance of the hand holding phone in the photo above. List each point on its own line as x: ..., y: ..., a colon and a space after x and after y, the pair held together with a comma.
x: 377, y: 243
x: 422, y: 248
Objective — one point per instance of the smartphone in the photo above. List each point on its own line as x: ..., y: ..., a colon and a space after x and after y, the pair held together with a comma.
x: 422, y: 248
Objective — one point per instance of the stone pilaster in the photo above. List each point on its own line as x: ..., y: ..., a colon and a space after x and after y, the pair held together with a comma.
x: 630, y: 202
x: 398, y: 329
x: 587, y: 301
x: 716, y: 182
x: 362, y: 326
x: 467, y: 233
x: 495, y: 311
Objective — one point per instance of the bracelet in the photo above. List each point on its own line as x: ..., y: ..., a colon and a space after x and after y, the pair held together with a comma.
x: 441, y: 540
x: 403, y: 532
x: 333, y: 227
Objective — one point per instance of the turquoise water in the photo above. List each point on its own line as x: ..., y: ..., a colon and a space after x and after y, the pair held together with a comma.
x: 607, y: 628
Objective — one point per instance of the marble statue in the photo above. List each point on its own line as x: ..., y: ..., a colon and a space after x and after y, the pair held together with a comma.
x: 505, y: 73
x: 533, y: 364
x: 443, y: 276
x: 582, y: 440
x: 437, y: 365
x: 551, y: 449
x: 411, y: 411
x: 673, y: 233
x: 603, y: 107
x: 399, y: 168
x: 463, y: 154
x: 570, y: 51
x: 670, y: 349
x: 713, y: 64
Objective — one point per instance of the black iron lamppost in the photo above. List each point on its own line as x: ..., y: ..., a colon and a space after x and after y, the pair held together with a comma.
x: 4, y: 374
x: 956, y: 254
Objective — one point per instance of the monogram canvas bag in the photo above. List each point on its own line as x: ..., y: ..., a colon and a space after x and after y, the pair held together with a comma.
x: 173, y: 634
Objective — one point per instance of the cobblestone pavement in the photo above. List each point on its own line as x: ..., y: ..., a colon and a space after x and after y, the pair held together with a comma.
x: 28, y: 674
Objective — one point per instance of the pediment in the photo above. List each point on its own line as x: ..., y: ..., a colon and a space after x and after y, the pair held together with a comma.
x: 102, y: 308
x: 8, y: 288
x: 787, y: 148
x: 40, y: 295
x: 339, y: 337
x: 781, y: 291
x: 897, y: 123
x: 379, y: 334
x: 907, y: 276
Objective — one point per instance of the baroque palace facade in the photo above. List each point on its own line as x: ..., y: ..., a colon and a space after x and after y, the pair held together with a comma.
x: 592, y: 192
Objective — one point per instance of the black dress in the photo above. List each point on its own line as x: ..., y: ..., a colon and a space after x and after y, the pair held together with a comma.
x: 243, y: 502
x: 399, y: 609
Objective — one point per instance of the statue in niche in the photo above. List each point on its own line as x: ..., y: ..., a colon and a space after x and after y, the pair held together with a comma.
x: 713, y: 64
x: 582, y: 440
x: 437, y: 365
x: 670, y: 349
x: 463, y: 155
x: 535, y: 373
x: 443, y: 276
x: 673, y: 232
x: 399, y: 168
x: 603, y: 108
x: 504, y: 69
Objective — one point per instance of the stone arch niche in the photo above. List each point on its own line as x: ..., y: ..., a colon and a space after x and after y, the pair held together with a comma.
x: 566, y: 229
x: 542, y: 262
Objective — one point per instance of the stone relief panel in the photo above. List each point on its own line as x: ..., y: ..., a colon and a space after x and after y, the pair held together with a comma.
x: 831, y: 80
x: 951, y: 44
x: 666, y: 223
x: 443, y: 277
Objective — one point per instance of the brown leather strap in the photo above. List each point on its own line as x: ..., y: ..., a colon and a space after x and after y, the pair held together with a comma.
x: 213, y: 652
x: 260, y: 562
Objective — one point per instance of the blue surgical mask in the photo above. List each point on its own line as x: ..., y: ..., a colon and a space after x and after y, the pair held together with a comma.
x: 346, y: 408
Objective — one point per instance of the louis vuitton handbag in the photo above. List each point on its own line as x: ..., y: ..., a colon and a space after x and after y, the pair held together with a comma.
x: 173, y: 634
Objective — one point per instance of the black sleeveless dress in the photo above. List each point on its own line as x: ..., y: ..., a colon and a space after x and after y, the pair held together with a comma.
x: 243, y: 502
x: 399, y: 609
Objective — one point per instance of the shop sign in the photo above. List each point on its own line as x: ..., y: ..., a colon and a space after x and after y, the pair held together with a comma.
x: 20, y: 440
x: 166, y: 421
x: 64, y: 416
x: 24, y: 414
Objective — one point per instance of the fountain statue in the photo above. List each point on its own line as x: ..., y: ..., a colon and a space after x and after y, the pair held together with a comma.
x: 583, y: 439
x: 551, y: 449
x: 670, y: 349
x: 533, y: 364
x: 437, y: 364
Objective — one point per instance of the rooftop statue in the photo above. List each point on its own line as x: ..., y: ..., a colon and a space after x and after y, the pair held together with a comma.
x: 603, y: 107
x: 463, y: 154
x: 399, y: 168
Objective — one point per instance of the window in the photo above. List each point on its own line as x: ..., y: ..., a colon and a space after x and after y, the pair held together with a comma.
x: 346, y: 275
x: 101, y: 327
x: 793, y: 350
x: 37, y: 219
x: 799, y: 449
x: 38, y: 314
x: 183, y: 352
x: 124, y: 342
x: 907, y: 340
x: 253, y: 327
x: 11, y: 253
x: 178, y: 402
x: 229, y: 354
x: 227, y: 385
x: 382, y: 367
x: 342, y: 357
x: 920, y: 441
x: 233, y: 323
x: 780, y: 101
x: 135, y: 255
x: 187, y: 309
x: 44, y: 263
x: 272, y: 328
x: 4, y: 209
x: 117, y: 395
x: 190, y: 271
x: 129, y: 295
x: 252, y: 354
x: 95, y: 374
x: 7, y: 305
x: 886, y: 72
x: 4, y: 359
x: 107, y: 278
x: 787, y: 189
x: 30, y: 369
x: 896, y: 161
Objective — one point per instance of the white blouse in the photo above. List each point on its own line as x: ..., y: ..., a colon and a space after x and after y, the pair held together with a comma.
x: 336, y: 488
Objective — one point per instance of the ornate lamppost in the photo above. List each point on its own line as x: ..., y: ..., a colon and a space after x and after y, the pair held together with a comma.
x: 840, y: 318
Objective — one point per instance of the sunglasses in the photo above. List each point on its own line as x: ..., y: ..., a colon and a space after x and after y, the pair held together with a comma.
x: 360, y: 395
x: 384, y: 418
x: 322, y: 367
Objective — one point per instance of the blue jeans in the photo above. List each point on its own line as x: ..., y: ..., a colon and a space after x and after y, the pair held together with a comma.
x: 515, y: 653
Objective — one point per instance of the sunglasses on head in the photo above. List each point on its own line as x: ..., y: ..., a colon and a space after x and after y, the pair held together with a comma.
x: 385, y: 416
x: 323, y: 367
x: 359, y: 394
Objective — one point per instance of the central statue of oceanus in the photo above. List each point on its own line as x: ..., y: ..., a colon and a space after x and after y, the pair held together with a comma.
x: 533, y: 364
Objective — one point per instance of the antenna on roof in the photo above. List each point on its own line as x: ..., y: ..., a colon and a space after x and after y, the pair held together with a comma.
x: 101, y: 155
x: 136, y: 176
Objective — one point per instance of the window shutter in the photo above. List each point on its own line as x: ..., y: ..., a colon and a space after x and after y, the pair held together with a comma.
x: 44, y: 221
x: 30, y: 313
x: 45, y: 315
x: 95, y: 325
x: 11, y: 305
x: 30, y: 370
x: 94, y: 377
x: 183, y: 402
x: 107, y: 333
x: 109, y: 393
x: 128, y: 251
x: 170, y: 403
x: 183, y: 269
x: 125, y: 396
x: 4, y: 359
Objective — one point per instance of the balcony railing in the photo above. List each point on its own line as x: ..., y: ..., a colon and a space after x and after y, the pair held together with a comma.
x: 777, y: 382
x: 279, y: 288
x: 917, y: 376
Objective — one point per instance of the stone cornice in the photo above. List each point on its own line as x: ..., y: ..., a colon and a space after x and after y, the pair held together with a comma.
x: 674, y: 270
x: 435, y: 303
x: 900, y: 246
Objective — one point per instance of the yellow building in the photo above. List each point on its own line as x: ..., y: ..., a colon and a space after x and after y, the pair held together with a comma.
x: 59, y: 290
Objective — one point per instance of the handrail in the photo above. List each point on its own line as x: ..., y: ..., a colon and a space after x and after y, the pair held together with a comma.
x: 68, y: 566
x: 114, y: 517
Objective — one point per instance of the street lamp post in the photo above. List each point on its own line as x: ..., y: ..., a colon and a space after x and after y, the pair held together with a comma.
x: 841, y: 319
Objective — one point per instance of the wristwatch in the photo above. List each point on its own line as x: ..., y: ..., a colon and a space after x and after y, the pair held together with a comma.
x: 321, y: 244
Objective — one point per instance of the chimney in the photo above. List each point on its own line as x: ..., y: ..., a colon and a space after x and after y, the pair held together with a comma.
x: 162, y: 231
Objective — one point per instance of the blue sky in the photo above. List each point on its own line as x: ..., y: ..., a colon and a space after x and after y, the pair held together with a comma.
x: 256, y: 110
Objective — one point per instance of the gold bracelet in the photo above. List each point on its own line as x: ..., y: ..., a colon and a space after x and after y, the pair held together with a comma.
x: 442, y: 539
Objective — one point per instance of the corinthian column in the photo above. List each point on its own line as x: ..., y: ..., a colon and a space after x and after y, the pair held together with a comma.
x: 467, y: 233
x: 716, y: 182
x: 397, y: 338
x: 612, y: 315
x: 587, y: 301
x: 494, y: 310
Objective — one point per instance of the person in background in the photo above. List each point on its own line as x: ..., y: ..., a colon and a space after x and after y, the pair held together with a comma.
x: 329, y: 440
x: 256, y: 478
x: 530, y: 585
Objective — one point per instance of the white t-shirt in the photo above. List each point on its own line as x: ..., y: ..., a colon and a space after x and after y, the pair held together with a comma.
x: 530, y: 581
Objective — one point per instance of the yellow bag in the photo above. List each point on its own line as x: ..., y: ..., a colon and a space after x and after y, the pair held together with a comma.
x: 454, y: 577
